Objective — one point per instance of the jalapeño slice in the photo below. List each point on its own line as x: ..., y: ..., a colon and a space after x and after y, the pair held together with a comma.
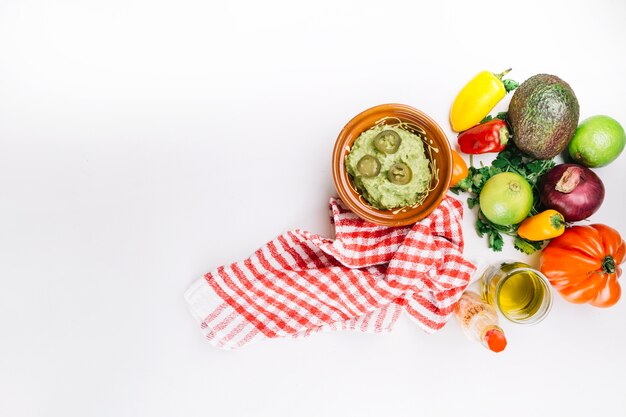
x: 368, y: 166
x: 399, y: 174
x: 387, y: 141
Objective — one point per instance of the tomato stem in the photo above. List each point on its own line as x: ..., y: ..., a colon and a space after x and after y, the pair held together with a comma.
x: 608, y: 264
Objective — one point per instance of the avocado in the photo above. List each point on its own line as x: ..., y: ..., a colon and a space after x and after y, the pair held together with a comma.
x: 543, y: 115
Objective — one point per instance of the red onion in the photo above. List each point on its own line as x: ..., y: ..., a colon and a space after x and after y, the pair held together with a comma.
x: 573, y: 190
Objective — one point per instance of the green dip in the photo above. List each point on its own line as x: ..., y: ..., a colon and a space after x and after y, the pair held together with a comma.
x: 378, y: 190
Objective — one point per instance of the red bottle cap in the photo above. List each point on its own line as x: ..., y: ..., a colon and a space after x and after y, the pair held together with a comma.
x: 495, y: 340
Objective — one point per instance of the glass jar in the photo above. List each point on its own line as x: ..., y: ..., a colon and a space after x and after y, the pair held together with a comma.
x: 522, y: 294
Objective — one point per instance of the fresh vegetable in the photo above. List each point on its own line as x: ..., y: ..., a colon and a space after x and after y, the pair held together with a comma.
x: 506, y: 199
x: 598, y: 141
x: 546, y: 225
x: 478, y: 98
x: 399, y: 174
x: 459, y: 168
x: 511, y: 159
x: 387, y: 141
x: 583, y: 264
x: 491, y: 136
x: 573, y: 190
x: 543, y: 115
x: 368, y: 166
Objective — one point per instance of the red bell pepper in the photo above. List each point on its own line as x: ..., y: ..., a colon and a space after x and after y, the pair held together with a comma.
x: 491, y: 136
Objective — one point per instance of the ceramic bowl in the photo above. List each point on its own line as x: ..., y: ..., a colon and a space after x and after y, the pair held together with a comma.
x: 440, y: 156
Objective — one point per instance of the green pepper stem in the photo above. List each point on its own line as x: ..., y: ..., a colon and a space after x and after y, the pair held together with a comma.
x: 557, y: 221
x: 503, y: 135
x: 503, y: 73
x: 608, y: 264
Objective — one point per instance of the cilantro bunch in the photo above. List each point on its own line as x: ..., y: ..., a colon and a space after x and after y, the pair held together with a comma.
x: 511, y: 159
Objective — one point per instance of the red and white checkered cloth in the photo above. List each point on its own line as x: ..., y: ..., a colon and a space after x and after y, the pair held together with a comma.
x: 301, y: 283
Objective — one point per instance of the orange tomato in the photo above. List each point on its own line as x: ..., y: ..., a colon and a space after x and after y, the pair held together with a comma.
x: 583, y: 264
x: 459, y: 168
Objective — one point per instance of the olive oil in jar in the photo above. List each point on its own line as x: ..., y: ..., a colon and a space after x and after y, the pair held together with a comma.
x: 521, y: 295
x: 519, y: 292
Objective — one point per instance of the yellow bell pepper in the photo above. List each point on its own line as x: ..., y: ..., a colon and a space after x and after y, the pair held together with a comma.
x: 478, y: 98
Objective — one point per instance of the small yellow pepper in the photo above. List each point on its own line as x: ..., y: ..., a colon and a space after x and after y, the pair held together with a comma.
x: 478, y: 98
x: 545, y: 225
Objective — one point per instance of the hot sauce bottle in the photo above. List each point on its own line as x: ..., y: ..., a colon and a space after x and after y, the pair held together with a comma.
x: 479, y: 320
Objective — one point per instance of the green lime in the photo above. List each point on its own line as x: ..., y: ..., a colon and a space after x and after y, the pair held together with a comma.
x: 506, y: 198
x: 597, y: 142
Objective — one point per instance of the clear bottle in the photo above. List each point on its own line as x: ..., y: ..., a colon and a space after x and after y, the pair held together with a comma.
x: 479, y: 320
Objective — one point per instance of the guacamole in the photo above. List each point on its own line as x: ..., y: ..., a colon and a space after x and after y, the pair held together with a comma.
x: 388, y: 167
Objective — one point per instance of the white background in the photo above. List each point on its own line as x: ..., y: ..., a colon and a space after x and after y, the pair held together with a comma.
x: 144, y: 143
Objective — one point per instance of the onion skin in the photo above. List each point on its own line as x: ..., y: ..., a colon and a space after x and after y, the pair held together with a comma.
x: 581, y: 195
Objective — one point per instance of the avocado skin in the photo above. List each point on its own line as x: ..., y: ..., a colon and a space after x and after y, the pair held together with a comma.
x: 543, y: 115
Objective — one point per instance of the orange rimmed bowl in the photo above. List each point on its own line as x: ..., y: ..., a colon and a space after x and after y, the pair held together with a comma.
x: 390, y: 114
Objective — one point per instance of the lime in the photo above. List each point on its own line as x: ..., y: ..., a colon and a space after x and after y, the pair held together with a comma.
x: 506, y: 198
x: 597, y: 142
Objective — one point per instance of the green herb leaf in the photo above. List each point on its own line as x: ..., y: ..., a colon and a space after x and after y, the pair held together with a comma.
x: 500, y: 163
x: 496, y: 242
x: 481, y: 227
x: 527, y: 246
x: 510, y: 85
x: 463, y: 185
x: 486, y: 119
x: 502, y: 116
x: 494, y: 238
x: 478, y: 180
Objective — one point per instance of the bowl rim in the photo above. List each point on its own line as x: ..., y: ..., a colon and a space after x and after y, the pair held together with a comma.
x: 345, y: 189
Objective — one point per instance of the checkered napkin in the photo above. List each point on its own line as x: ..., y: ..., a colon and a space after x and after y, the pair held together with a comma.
x: 302, y: 283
